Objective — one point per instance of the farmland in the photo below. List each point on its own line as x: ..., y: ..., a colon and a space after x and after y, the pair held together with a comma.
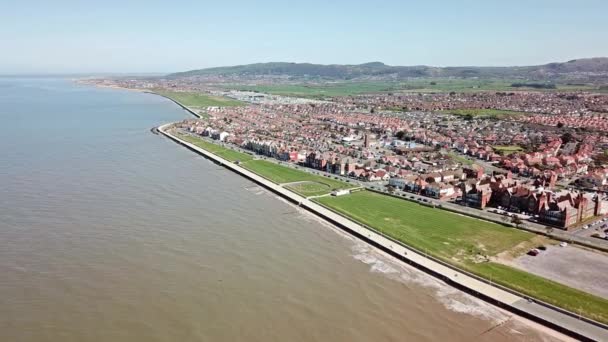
x: 321, y: 89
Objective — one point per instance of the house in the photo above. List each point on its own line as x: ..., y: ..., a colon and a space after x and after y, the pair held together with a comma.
x: 476, y: 194
x: 474, y: 171
x: 439, y: 190
x: 398, y: 183
x: 593, y: 179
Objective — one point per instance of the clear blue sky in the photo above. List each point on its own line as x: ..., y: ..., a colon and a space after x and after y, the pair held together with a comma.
x: 162, y: 36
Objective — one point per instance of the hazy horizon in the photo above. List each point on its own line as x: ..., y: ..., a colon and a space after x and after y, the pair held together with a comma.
x: 69, y: 37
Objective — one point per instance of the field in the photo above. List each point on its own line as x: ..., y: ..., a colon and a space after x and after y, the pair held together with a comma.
x: 547, y: 290
x: 312, y: 185
x: 463, y: 241
x: 221, y: 151
x: 283, y: 174
x: 310, y: 188
x: 484, y: 113
x: 322, y: 89
x: 199, y: 100
x: 450, y: 236
x: 460, y: 158
x: 507, y: 149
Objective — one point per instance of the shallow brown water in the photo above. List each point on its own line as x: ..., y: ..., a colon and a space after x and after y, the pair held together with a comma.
x: 111, y: 233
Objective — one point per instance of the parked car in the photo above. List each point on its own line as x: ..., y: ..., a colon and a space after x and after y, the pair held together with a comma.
x: 563, y: 244
x: 542, y: 248
x: 533, y: 252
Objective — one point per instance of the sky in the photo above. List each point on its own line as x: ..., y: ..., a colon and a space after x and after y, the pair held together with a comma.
x: 132, y: 36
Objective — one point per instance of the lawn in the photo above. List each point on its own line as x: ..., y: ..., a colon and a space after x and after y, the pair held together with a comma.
x: 310, y: 188
x: 577, y: 301
x: 315, y: 185
x: 460, y: 158
x: 282, y: 174
x: 450, y: 236
x: 507, y: 149
x: 464, y: 242
x: 221, y: 151
x: 199, y: 100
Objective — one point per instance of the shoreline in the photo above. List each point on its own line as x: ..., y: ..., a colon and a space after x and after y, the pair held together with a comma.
x: 549, y: 316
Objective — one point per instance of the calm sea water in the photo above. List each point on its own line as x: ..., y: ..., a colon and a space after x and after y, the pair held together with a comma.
x: 111, y: 233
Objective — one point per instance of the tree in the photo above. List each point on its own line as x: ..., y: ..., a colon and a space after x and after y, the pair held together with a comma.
x: 567, y: 137
x: 400, y: 135
x: 560, y: 124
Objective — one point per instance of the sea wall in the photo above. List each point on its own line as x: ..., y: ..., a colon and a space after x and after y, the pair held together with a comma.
x: 561, y: 320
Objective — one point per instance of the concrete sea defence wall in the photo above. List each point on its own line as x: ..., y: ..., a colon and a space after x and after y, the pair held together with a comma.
x: 561, y: 320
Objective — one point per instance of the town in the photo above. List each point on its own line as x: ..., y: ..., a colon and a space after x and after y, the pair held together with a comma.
x: 545, y: 174
x: 541, y: 156
x: 410, y: 164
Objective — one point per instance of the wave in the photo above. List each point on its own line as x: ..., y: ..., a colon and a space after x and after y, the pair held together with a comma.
x: 451, y: 298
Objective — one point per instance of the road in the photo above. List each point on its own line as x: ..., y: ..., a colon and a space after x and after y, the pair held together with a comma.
x: 569, y: 236
x: 549, y: 315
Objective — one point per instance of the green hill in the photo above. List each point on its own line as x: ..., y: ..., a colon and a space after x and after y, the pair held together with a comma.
x: 591, y: 69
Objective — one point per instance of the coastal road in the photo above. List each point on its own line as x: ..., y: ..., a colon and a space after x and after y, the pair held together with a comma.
x: 551, y: 316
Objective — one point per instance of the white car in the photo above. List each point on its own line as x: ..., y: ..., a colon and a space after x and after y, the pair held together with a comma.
x: 563, y: 244
x: 586, y: 227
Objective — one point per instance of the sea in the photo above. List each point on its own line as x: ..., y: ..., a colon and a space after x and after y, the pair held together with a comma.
x: 109, y: 232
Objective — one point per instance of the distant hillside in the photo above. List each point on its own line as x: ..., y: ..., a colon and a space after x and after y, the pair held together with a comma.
x: 590, y: 68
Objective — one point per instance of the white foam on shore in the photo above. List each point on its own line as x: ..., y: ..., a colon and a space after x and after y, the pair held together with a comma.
x: 256, y: 190
x: 452, y: 298
x: 379, y: 262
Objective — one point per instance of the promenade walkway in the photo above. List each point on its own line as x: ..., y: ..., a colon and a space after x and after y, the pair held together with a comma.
x: 553, y: 317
